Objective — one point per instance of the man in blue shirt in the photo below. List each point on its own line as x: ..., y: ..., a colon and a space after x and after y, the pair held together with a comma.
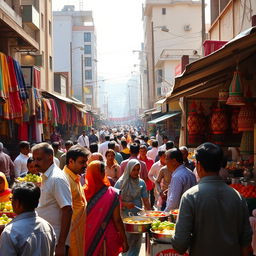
x: 182, y: 178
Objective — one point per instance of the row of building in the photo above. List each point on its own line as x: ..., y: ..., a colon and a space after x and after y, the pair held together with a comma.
x: 199, y: 80
x: 48, y: 71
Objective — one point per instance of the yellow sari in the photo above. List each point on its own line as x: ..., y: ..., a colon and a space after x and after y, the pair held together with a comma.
x: 6, y: 193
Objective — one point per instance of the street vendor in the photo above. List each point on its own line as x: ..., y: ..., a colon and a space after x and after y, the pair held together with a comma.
x: 5, y: 192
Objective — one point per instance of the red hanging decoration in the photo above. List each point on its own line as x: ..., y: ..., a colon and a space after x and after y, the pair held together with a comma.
x: 193, y: 124
x: 234, y: 120
x: 219, y: 121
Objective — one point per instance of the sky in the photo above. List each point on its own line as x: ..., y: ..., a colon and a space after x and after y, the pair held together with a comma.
x: 119, y: 31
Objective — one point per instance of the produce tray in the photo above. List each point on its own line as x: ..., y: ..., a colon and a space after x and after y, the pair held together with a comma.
x: 9, y: 214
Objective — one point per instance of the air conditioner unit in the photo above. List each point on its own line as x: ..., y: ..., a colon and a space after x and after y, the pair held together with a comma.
x: 187, y: 27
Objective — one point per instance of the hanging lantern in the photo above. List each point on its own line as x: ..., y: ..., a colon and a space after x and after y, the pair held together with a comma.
x: 246, y: 147
x: 234, y: 120
x: 246, y: 118
x: 202, y: 120
x: 193, y: 124
x: 235, y: 91
x: 219, y: 121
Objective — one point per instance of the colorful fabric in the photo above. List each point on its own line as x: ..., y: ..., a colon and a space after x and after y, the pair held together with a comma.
x: 5, y: 195
x: 20, y: 80
x: 101, y: 236
x: 79, y: 214
x: 94, y: 179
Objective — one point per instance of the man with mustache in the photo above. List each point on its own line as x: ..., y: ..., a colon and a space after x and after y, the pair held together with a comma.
x: 55, y: 203
x: 76, y: 162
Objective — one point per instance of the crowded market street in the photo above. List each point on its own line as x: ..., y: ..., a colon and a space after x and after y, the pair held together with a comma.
x: 127, y: 128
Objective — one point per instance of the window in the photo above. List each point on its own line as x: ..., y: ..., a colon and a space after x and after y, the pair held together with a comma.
x: 88, y: 61
x: 87, y: 49
x: 89, y: 101
x: 50, y: 62
x: 159, y: 77
x: 163, y: 11
x: 42, y: 21
x: 50, y: 28
x: 87, y: 37
x: 88, y: 74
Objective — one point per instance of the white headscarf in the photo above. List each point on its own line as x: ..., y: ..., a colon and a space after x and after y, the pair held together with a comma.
x: 130, y: 188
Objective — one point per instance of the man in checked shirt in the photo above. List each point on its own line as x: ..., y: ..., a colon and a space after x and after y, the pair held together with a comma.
x: 182, y: 178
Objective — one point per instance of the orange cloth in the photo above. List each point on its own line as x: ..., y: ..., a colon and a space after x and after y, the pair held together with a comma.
x: 94, y: 179
x: 79, y: 214
x: 5, y: 195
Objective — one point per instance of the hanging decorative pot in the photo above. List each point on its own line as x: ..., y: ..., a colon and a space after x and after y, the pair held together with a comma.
x: 202, y: 120
x: 246, y: 147
x: 246, y: 118
x: 219, y: 121
x: 234, y: 120
x: 235, y: 91
x: 193, y: 124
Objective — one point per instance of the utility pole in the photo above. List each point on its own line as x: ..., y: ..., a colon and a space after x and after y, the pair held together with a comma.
x: 153, y: 61
x: 82, y: 76
x: 203, y: 22
x: 71, y: 60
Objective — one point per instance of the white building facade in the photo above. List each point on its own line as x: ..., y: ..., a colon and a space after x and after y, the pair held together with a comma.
x: 75, y: 52
x: 171, y: 29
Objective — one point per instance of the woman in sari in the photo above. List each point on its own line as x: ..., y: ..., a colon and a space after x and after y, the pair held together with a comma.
x: 5, y: 192
x: 133, y: 192
x: 104, y: 230
x: 112, y: 167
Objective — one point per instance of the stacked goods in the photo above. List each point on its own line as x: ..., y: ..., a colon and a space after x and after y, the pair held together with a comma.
x: 4, y: 219
x: 6, y: 209
x: 30, y: 178
x: 248, y: 191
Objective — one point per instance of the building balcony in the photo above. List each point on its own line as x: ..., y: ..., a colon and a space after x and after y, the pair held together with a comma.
x: 30, y: 16
x: 12, y: 13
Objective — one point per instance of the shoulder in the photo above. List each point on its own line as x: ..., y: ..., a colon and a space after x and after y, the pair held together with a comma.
x: 142, y: 182
x: 113, y: 190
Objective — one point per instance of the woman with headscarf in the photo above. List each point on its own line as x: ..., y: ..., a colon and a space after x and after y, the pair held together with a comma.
x: 104, y: 230
x: 133, y: 192
x: 5, y: 192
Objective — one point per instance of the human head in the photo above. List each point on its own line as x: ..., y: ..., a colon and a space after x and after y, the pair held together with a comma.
x: 94, y: 147
x: 112, y: 145
x: 137, y: 141
x: 165, y: 139
x: 133, y: 169
x: 95, y: 156
x: 76, y: 159
x: 184, y: 151
x: 110, y: 155
x: 143, y: 151
x: 3, y: 182
x: 31, y: 166
x: 84, y: 132
x: 134, y: 149
x: 154, y: 144
x: 1, y: 146
x: 43, y: 156
x: 96, y: 179
x: 124, y: 143
x: 209, y: 158
x: 162, y: 157
x: 107, y: 137
x: 25, y: 197
x: 169, y: 144
x: 55, y: 146
x: 92, y: 131
x: 24, y: 147
x: 173, y: 158
x: 68, y: 144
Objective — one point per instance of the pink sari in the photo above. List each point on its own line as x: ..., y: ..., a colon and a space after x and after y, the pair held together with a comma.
x: 101, y: 236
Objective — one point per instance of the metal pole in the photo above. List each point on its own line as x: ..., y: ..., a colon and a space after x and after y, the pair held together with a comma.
x: 71, y: 60
x: 153, y: 61
x: 82, y: 76
x: 203, y: 22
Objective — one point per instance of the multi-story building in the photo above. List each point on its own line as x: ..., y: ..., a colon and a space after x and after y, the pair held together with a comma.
x: 171, y: 29
x: 75, y: 51
x: 26, y: 35
x: 229, y: 18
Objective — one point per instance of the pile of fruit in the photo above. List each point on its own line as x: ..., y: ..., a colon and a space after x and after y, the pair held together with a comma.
x: 6, y: 209
x: 4, y: 219
x: 155, y: 214
x: 165, y: 227
x: 248, y: 191
x: 30, y: 178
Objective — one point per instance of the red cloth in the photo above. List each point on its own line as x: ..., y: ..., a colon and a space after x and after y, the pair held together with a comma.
x: 23, y: 131
x: 149, y: 162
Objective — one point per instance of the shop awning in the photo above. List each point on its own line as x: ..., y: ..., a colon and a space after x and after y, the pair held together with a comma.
x: 160, y: 102
x: 164, y: 117
x: 149, y: 111
x: 212, y: 70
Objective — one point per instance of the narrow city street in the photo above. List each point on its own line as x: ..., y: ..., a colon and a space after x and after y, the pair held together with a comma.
x: 127, y: 128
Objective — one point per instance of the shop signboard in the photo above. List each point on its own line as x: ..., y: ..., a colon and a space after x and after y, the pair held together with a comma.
x: 170, y: 252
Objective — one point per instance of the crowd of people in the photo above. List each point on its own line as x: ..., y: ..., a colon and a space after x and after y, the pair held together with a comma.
x: 89, y: 185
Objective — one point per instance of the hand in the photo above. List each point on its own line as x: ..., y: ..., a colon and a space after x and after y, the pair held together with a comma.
x: 125, y: 247
x: 60, y: 250
x: 163, y: 195
x: 130, y: 205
